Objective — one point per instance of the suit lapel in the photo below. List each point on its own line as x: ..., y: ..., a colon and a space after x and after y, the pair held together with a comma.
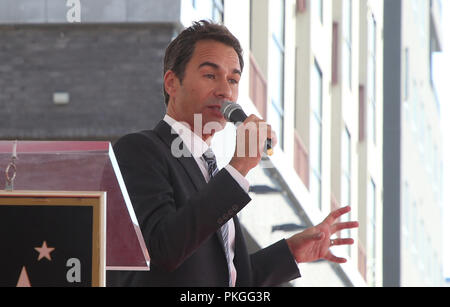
x: 171, y: 138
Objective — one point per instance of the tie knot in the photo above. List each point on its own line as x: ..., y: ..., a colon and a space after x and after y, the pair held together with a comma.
x: 209, y: 156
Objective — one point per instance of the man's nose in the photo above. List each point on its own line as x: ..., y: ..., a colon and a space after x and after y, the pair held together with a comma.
x: 223, y: 90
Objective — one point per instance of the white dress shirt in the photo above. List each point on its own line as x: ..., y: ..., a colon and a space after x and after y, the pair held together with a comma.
x: 198, y: 147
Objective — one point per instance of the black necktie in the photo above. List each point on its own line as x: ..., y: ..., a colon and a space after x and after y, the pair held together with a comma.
x: 210, y: 159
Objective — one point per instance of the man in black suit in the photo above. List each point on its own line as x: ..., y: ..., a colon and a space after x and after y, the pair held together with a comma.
x: 186, y: 207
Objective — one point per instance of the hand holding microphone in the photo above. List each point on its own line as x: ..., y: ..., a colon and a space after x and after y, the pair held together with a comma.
x: 233, y: 113
x: 252, y: 138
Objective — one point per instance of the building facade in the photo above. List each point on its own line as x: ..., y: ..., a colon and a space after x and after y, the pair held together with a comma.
x: 413, y: 146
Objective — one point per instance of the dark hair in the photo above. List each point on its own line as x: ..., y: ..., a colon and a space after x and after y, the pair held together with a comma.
x: 180, y: 50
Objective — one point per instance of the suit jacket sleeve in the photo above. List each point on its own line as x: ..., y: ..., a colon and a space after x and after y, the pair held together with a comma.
x: 172, y: 232
x: 274, y: 265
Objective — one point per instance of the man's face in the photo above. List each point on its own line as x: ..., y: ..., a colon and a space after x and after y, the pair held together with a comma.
x: 211, y: 76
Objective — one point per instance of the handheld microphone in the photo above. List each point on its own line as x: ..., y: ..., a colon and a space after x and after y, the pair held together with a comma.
x: 233, y: 113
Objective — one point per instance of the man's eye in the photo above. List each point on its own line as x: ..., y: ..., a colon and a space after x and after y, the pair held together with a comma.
x: 210, y: 76
x: 233, y: 81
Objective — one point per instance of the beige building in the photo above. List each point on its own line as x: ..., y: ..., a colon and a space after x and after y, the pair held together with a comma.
x: 370, y: 141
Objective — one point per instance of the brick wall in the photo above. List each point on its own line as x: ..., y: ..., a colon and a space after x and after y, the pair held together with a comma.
x: 113, y: 74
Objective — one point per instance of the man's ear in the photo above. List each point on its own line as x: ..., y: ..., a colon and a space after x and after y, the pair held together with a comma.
x: 171, y: 83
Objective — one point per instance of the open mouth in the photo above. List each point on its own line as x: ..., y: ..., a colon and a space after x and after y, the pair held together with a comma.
x: 215, y: 109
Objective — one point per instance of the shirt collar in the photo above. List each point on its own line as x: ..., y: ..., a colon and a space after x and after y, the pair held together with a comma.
x: 193, y: 142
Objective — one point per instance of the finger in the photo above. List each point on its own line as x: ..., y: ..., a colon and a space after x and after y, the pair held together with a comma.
x: 252, y: 118
x: 346, y: 241
x: 336, y: 214
x: 330, y: 257
x: 346, y: 225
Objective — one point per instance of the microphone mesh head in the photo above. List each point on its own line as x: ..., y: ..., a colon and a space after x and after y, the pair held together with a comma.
x: 228, y: 107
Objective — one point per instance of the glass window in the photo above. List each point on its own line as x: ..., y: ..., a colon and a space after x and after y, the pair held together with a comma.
x: 347, y: 48
x: 421, y: 246
x: 436, y: 166
x: 421, y: 130
x: 346, y: 168
x: 315, y: 187
x: 419, y: 9
x: 372, y: 122
x: 415, y: 232
x: 416, y: 112
x: 406, y: 86
x: 346, y: 181
x: 316, y: 135
x: 405, y: 210
x: 278, y: 17
x: 428, y: 149
x: 316, y: 92
x: 371, y: 232
x: 316, y: 145
x: 317, y: 9
x: 414, y: 108
x: 406, y: 77
x: 209, y: 9
x: 217, y: 10
x: 371, y: 78
x: 277, y: 79
x: 316, y: 160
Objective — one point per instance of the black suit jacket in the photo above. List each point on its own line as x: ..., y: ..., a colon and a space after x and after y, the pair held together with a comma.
x: 180, y: 216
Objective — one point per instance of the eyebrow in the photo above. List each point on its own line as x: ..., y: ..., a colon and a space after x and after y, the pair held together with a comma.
x: 215, y: 66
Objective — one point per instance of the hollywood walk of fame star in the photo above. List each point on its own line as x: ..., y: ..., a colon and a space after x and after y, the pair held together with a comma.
x: 44, y: 251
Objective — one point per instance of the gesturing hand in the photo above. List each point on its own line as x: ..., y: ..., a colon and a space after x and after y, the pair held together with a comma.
x: 314, y: 243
